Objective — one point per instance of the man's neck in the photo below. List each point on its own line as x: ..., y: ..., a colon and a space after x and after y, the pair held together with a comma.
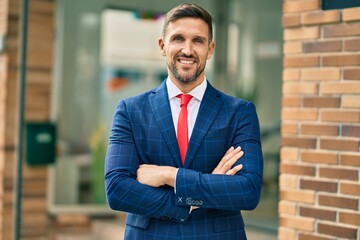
x: 187, y: 87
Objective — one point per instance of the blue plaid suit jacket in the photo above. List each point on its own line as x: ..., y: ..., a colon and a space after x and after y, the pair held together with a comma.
x: 143, y: 133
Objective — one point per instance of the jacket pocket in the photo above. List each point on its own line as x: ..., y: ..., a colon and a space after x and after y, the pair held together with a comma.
x: 227, y: 224
x: 139, y: 221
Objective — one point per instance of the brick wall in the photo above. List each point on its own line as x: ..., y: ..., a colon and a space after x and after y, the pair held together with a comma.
x: 39, y: 78
x: 320, y: 160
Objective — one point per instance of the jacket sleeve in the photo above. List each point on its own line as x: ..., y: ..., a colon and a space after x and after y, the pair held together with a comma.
x: 218, y: 191
x: 123, y: 191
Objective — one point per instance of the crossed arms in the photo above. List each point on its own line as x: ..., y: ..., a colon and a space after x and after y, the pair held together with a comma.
x: 148, y: 190
x: 157, y: 176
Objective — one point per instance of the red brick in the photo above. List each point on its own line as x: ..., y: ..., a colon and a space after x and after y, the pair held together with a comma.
x: 320, y: 74
x: 342, y: 30
x: 340, y: 87
x: 13, y: 28
x: 321, y: 17
x: 352, y: 44
x: 289, y: 154
x: 341, y: 60
x: 297, y: 169
x: 338, y: 231
x: 298, y: 196
x: 39, y: 77
x: 319, y: 157
x: 285, y: 233
x: 287, y: 207
x: 300, y: 223
x: 350, y: 159
x: 340, y: 202
x: 350, y: 101
x: 352, y: 74
x: 338, y: 173
x: 340, y: 144
x: 290, y: 101
x: 35, y: 188
x: 323, y: 46
x: 289, y: 128
x: 319, y: 186
x: 299, y: 62
x: 45, y: 7
x: 350, y: 131
x: 308, y: 236
x: 301, y: 33
x: 350, y: 218
x: 319, y: 129
x: 351, y: 14
x: 300, y: 88
x: 318, y: 213
x: 292, y: 47
x: 291, y: 75
x: 291, y: 20
x: 321, y: 102
x: 299, y: 114
x: 350, y: 188
x: 34, y: 205
x: 300, y: 6
x: 298, y: 142
x: 288, y: 181
x: 340, y: 116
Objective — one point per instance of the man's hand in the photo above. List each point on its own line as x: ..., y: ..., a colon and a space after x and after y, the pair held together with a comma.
x: 226, y: 164
x: 156, y: 176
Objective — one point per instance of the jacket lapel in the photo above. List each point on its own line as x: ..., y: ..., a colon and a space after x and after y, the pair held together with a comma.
x: 160, y: 106
x: 208, y: 111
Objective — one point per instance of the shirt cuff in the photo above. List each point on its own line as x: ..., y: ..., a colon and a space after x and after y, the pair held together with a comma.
x: 175, y: 180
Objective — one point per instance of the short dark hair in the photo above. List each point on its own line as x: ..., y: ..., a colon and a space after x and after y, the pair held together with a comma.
x: 188, y: 10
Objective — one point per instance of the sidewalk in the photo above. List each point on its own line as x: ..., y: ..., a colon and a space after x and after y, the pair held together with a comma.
x: 114, y: 230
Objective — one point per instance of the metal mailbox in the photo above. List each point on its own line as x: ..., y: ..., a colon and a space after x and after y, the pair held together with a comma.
x: 40, y: 143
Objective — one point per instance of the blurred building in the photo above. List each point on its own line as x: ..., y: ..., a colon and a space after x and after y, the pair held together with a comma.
x: 297, y: 61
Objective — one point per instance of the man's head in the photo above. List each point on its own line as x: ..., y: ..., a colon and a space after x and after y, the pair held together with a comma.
x: 188, y: 10
x: 187, y: 43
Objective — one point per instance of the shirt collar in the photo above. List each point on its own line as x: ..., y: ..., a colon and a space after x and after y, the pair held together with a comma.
x: 197, y: 92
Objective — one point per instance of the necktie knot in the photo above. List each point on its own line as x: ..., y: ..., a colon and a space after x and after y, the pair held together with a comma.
x: 185, y: 99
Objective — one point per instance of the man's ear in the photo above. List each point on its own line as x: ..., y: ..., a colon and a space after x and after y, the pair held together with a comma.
x: 161, y: 46
x: 211, y: 50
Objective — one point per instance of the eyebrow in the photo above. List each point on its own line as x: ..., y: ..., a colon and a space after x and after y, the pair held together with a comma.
x: 181, y: 35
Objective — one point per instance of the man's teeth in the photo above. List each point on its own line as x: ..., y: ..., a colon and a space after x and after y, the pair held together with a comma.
x: 186, y: 61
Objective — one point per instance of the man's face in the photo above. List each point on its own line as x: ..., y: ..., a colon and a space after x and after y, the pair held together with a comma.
x: 186, y: 47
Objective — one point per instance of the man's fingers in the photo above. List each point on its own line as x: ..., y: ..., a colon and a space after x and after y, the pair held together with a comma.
x: 234, y: 170
x: 228, y: 155
x: 230, y: 162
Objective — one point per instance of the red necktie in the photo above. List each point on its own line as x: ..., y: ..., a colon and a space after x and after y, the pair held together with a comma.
x: 182, y: 130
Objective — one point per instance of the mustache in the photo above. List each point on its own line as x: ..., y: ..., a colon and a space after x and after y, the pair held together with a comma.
x: 186, y: 56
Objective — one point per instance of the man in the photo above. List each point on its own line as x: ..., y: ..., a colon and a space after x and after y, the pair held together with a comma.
x: 176, y: 183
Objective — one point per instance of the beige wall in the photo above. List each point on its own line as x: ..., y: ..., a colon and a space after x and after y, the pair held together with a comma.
x: 320, y: 160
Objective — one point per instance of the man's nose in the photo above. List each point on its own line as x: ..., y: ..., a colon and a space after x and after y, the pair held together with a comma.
x: 188, y: 49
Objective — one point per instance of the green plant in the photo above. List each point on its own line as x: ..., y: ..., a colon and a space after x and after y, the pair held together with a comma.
x: 98, y: 147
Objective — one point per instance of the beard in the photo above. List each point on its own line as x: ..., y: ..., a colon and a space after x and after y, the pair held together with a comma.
x: 185, y: 78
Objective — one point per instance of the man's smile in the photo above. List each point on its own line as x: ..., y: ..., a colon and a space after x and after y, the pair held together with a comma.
x: 184, y: 61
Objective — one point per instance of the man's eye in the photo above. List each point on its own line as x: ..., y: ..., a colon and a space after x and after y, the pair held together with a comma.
x: 178, y: 38
x: 198, y: 40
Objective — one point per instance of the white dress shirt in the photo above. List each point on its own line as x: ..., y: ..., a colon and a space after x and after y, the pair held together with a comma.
x: 193, y: 105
